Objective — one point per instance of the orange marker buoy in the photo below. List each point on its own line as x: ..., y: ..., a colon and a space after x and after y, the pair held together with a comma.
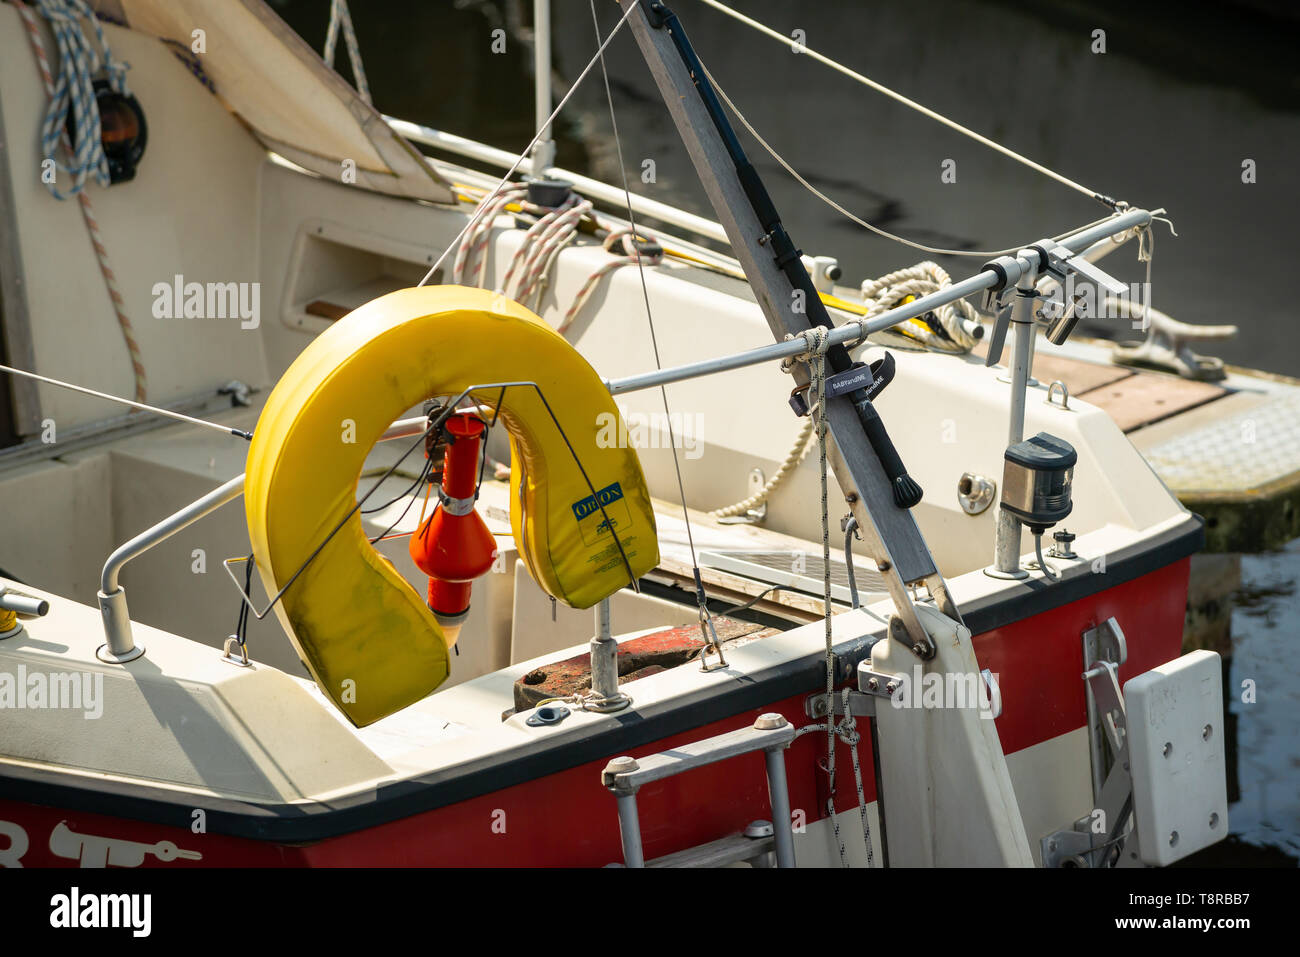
x: 453, y: 546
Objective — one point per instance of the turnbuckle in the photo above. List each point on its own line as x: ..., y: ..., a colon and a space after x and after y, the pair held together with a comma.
x: 711, y: 644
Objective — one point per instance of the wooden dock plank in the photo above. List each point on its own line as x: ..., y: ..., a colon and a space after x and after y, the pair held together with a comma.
x: 1144, y: 397
x: 1079, y: 376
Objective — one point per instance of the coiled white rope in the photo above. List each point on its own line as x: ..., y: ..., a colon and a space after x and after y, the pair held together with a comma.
x: 555, y: 223
x: 528, y: 274
x: 881, y: 295
x: 473, y: 242
x: 546, y: 249
x: 527, y: 150
x: 341, y: 17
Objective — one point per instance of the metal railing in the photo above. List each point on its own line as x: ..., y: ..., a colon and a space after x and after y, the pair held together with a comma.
x: 120, y: 646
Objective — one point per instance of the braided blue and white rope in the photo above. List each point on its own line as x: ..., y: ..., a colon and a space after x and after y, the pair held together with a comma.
x: 74, y: 92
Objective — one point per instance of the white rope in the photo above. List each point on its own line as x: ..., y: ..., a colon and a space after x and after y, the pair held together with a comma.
x: 1146, y: 252
x: 884, y: 233
x: 846, y: 730
x: 818, y: 340
x: 803, y: 444
x: 538, y: 262
x: 528, y: 275
x: 505, y: 180
x: 341, y: 16
x: 909, y: 103
x: 474, y: 242
x: 519, y: 263
x: 632, y: 256
x: 881, y: 295
x: 849, y: 731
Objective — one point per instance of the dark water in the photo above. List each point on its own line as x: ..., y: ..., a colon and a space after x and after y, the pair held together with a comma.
x: 1264, y: 792
x: 1182, y: 97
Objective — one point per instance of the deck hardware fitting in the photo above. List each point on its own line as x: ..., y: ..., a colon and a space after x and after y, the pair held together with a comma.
x: 229, y: 658
x: 994, y: 690
x: 1063, y: 544
x: 1104, y: 651
x: 546, y: 715
x: 711, y: 649
x: 975, y: 493
x: 862, y: 703
x: 605, y: 695
x: 1081, y: 845
x: 756, y: 514
x: 712, y: 646
x: 21, y: 604
x: 1168, y: 346
x: 923, y: 649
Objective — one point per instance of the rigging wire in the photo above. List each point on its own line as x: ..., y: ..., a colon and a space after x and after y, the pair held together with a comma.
x: 909, y: 103
x: 645, y: 293
x: 505, y: 180
x: 937, y: 250
x: 135, y: 405
x: 241, y: 626
x: 424, y: 474
x: 401, y: 495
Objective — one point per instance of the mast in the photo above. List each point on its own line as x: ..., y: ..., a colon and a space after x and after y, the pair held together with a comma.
x: 544, y: 152
x: 868, y: 470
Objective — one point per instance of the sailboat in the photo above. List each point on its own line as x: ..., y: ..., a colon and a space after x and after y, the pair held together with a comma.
x: 494, y: 600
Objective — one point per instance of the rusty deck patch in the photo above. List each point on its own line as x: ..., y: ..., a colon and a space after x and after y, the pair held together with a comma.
x: 637, y: 658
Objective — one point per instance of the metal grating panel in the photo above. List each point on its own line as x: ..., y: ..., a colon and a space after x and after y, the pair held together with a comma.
x: 1239, y: 453
x: 799, y: 570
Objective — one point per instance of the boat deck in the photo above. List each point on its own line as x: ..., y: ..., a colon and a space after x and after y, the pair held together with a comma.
x: 1229, y: 450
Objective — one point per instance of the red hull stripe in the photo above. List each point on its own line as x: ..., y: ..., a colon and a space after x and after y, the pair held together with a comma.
x: 564, y: 816
x: 293, y: 824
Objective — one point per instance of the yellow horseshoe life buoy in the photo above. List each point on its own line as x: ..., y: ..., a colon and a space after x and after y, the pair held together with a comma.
x: 367, y: 637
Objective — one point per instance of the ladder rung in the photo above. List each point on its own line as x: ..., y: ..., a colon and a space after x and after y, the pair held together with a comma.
x: 731, y: 849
